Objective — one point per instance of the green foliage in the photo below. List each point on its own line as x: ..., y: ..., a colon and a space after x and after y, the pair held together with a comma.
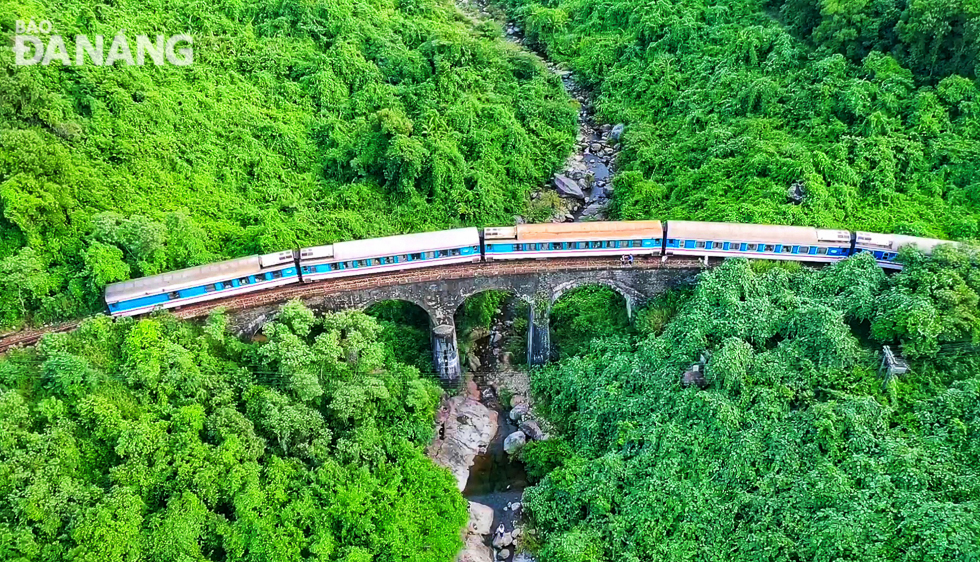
x: 725, y: 109
x: 933, y: 302
x: 934, y: 39
x: 589, y: 312
x: 157, y: 440
x: 405, y: 330
x: 295, y: 121
x: 794, y: 451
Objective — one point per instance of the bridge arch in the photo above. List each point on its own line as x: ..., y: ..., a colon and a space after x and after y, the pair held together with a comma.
x: 633, y: 297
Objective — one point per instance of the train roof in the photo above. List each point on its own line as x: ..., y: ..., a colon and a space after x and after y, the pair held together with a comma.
x: 577, y: 230
x: 734, y: 232
x: 895, y: 241
x: 182, y: 279
x: 395, y: 245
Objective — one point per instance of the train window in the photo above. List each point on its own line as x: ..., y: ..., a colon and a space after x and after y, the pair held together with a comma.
x: 173, y: 296
x: 787, y: 249
x: 476, y: 248
x: 822, y: 251
x: 277, y: 274
x: 804, y: 249
x: 770, y: 248
x: 699, y: 244
x: 636, y: 243
x: 244, y: 280
x: 752, y: 247
x: 454, y: 251
x: 210, y: 288
x: 671, y: 241
x: 556, y: 245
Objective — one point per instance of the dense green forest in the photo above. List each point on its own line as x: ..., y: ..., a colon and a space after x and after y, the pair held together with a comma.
x: 296, y: 122
x: 160, y: 440
x: 872, y: 106
x: 797, y: 449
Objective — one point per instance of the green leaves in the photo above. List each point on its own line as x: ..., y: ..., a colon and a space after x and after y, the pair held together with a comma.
x: 159, y: 440
x: 793, y: 451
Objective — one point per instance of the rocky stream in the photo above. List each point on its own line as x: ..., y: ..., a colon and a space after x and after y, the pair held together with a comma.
x: 585, y: 185
x: 481, y: 431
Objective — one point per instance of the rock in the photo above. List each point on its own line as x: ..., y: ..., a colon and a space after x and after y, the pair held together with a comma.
x: 514, y: 442
x: 533, y: 430
x: 694, y: 378
x: 517, y: 399
x: 497, y: 336
x: 507, y: 358
x: 796, y: 193
x: 617, y: 131
x: 518, y: 219
x: 503, y: 540
x: 592, y: 210
x: 569, y: 217
x: 567, y: 187
x: 475, y: 551
x: 516, y: 533
x: 473, y: 361
x: 524, y: 557
x: 465, y: 428
x: 518, y: 412
x: 481, y: 519
x: 504, y: 554
x: 595, y: 148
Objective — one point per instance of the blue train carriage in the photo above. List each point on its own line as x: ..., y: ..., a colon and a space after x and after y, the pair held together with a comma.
x: 393, y: 253
x: 885, y: 247
x: 726, y: 240
x: 573, y: 239
x: 201, y: 283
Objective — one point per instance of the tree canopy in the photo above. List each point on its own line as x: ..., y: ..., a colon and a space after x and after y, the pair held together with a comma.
x: 796, y: 449
x: 159, y: 440
x: 295, y: 121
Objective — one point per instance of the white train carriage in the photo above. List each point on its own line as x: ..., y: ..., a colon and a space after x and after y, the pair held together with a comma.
x: 557, y: 240
x: 393, y: 253
x: 201, y: 283
x: 885, y: 247
x: 727, y: 240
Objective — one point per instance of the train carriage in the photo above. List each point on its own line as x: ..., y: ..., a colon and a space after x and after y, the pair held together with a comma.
x: 201, y: 283
x: 727, y: 240
x: 884, y: 247
x: 393, y: 253
x: 558, y: 240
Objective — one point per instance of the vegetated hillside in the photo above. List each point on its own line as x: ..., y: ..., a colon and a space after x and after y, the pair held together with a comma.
x: 796, y: 449
x: 158, y: 440
x: 726, y: 109
x: 298, y: 123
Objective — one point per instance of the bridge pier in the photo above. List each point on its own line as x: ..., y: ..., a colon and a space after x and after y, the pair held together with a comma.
x: 445, y: 353
x: 539, y: 336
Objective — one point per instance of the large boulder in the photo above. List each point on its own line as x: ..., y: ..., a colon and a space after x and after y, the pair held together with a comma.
x: 518, y: 411
x: 567, y: 187
x: 533, y: 430
x: 481, y: 519
x: 514, y: 442
x: 474, y: 550
x: 464, y: 430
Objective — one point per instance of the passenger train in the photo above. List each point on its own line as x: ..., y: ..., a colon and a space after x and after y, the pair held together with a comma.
x: 526, y: 241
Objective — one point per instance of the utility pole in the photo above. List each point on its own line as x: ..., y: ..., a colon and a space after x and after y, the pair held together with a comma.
x: 891, y: 365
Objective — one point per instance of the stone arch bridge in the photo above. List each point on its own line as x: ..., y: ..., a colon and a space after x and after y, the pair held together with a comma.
x: 440, y: 292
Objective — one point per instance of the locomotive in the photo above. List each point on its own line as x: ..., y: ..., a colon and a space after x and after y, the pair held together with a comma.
x: 526, y: 241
